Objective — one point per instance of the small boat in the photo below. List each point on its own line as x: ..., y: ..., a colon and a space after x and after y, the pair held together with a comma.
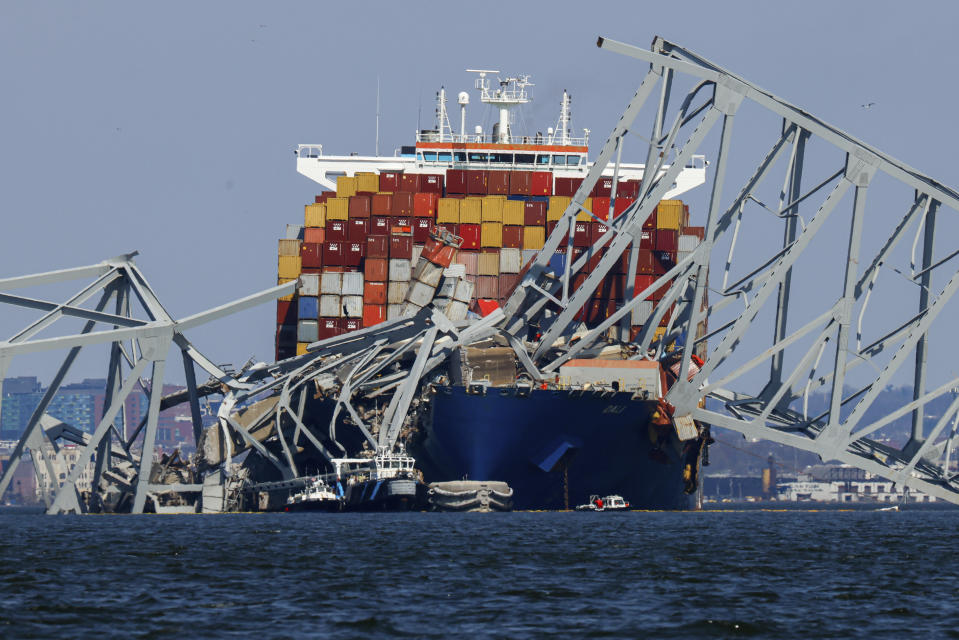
x: 316, y: 495
x: 606, y: 503
x: 894, y: 507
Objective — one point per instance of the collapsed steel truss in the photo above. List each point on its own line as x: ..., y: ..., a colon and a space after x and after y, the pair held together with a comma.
x: 759, y: 284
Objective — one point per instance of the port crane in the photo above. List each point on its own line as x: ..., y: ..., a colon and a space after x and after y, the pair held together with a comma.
x: 854, y: 297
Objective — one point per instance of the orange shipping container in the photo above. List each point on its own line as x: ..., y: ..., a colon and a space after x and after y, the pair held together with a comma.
x: 314, y: 234
x: 373, y: 314
x: 424, y: 205
x: 374, y: 293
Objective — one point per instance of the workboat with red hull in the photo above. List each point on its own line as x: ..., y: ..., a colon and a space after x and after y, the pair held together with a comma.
x: 600, y: 426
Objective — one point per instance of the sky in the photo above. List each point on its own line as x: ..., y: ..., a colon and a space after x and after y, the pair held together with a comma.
x: 169, y: 128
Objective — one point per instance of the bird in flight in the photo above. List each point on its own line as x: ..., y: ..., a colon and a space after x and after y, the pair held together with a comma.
x: 868, y: 105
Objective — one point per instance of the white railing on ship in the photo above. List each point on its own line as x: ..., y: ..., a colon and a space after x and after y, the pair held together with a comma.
x: 309, y: 150
x: 483, y: 138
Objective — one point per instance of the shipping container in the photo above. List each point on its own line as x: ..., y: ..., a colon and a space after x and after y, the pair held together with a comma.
x: 402, y: 203
x: 421, y: 229
x: 394, y: 311
x: 641, y: 312
x: 447, y: 287
x: 520, y: 183
x: 456, y: 182
x: 424, y: 205
x: 373, y: 314
x: 534, y: 213
x: 417, y: 252
x: 282, y: 280
x: 666, y: 240
x: 699, y: 232
x: 596, y: 231
x: 358, y: 230
x: 331, y: 306
x: 476, y: 182
x: 345, y: 187
x: 288, y: 247
x: 337, y: 230
x: 352, y: 284
x: 557, y: 207
x: 389, y: 181
x: 647, y: 239
x: 352, y: 306
x: 464, y: 291
x: 401, y: 246
x: 315, y: 215
x: 487, y: 287
x: 353, y: 253
x: 507, y: 285
x: 374, y: 292
x: 600, y: 207
x: 377, y: 247
x: 491, y: 234
x: 420, y: 293
x: 669, y: 214
x: 381, y: 204
x: 396, y: 292
x: 410, y: 182
x: 307, y: 308
x: 427, y: 273
x: 294, y: 232
x: 471, y: 235
x: 647, y: 263
x: 628, y: 189
x: 585, y: 210
x: 456, y: 311
x: 509, y: 260
x: 469, y: 260
x: 309, y: 284
x: 497, y: 182
x: 492, y: 208
x: 471, y: 210
x: 448, y: 210
x: 582, y: 236
x: 352, y: 323
x: 487, y: 264
x: 333, y: 253
x: 410, y: 309
x: 432, y: 183
x: 567, y: 186
x: 307, y: 331
x: 288, y: 267
x: 534, y: 237
x: 359, y: 207
x: 301, y: 348
x: 367, y: 181
x: 603, y: 187
x: 337, y: 209
x: 514, y: 212
x: 620, y: 205
x: 512, y: 236
x: 376, y: 269
x: 329, y: 328
x: 380, y: 225
x: 541, y: 183
x: 400, y: 270
x: 285, y: 312
x: 311, y: 255
x: 314, y: 234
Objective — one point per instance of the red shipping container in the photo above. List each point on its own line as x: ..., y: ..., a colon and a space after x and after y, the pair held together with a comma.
x: 373, y: 314
x: 470, y: 233
x: 541, y: 184
x: 550, y: 226
x: 336, y: 231
x: 594, y: 259
x: 512, y: 236
x: 421, y: 229
x: 402, y: 203
x: 603, y: 188
x: 497, y: 183
x: 477, y: 182
x: 379, y: 226
x: 377, y: 247
x: 329, y: 328
x: 534, y: 214
x: 438, y: 253
x: 650, y: 223
x: 628, y: 189
x: 311, y: 255
x: 456, y: 182
x: 424, y: 205
x: 581, y: 235
x: 646, y: 263
x: 647, y: 240
x: 410, y: 182
x: 621, y: 266
x: 665, y: 261
x: 358, y: 230
x: 620, y: 205
x: 376, y: 269
x: 432, y: 183
x: 600, y: 207
x: 487, y: 287
x: 374, y: 292
x: 451, y: 227
x: 390, y: 181
x: 643, y: 282
x: 520, y: 183
x: 349, y: 324
x: 381, y: 204
x: 359, y: 207
x: 353, y: 253
x: 314, y: 234
x: 285, y: 312
x: 666, y: 240
x: 507, y: 284
x: 567, y: 186
x: 401, y: 246
x: 699, y: 232
x: 333, y: 253
x: 401, y: 222
x: 596, y: 231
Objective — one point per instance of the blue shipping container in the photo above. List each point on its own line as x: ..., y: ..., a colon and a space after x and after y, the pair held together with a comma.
x: 308, y: 308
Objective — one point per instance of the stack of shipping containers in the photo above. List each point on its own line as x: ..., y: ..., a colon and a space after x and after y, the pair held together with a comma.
x: 358, y: 253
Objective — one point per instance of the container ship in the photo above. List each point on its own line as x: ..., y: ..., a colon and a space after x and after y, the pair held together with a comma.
x: 599, y: 426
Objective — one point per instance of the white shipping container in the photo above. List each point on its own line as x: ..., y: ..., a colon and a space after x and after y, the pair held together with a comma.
x: 641, y: 312
x: 396, y: 292
x: 509, y: 260
x: 307, y: 331
x: 394, y: 311
x: 455, y: 270
x: 330, y: 306
x: 400, y: 270
x: 420, y: 293
x: 331, y: 283
x: 456, y: 311
x: 352, y: 306
x: 441, y: 303
x: 409, y: 310
x: 353, y: 284
x: 447, y: 287
x: 417, y: 252
x: 294, y: 232
x: 428, y: 273
x: 464, y: 291
x: 688, y: 243
x: 309, y: 284
x: 682, y: 255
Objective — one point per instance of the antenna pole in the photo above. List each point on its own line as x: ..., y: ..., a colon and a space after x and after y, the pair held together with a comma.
x: 377, y: 148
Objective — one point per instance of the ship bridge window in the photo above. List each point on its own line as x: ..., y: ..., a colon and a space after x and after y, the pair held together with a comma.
x: 524, y: 158
x: 459, y: 156
x: 429, y: 156
x: 479, y: 157
x: 558, y: 159
x: 542, y: 158
x: 444, y: 156
x: 506, y: 158
x: 573, y: 160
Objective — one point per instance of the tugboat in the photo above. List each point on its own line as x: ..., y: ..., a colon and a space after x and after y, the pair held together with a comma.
x: 317, y: 495
x: 389, y: 481
x: 606, y: 503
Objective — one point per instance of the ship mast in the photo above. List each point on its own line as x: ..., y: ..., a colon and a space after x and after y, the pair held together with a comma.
x: 442, y: 118
x: 563, y: 124
x: 511, y: 92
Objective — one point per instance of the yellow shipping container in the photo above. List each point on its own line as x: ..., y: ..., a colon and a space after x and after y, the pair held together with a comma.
x: 487, y: 264
x: 493, y: 209
x: 448, y: 211
x: 669, y: 214
x: 557, y: 206
x: 491, y: 235
x: 534, y: 237
x: 289, y: 267
x: 366, y: 182
x: 658, y: 335
x: 471, y: 211
x: 582, y: 216
x: 315, y: 215
x: 288, y: 247
x: 345, y: 187
x: 338, y: 209
x: 514, y: 212
x: 301, y: 348
x: 284, y: 281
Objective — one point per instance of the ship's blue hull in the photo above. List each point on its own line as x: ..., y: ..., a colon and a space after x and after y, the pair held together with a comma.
x: 603, y: 442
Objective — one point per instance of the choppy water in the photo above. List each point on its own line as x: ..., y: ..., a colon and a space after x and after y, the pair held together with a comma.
x: 697, y: 574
